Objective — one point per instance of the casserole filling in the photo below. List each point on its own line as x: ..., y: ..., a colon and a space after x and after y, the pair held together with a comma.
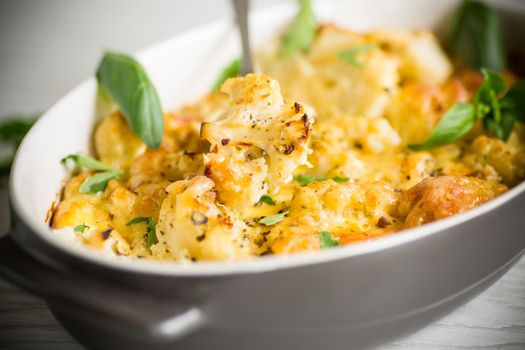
x: 309, y: 154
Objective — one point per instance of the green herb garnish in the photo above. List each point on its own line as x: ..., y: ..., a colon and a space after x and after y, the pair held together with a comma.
x: 150, y: 229
x: 499, y: 112
x: 455, y: 124
x: 350, y: 55
x: 12, y: 131
x: 340, y: 179
x: 125, y: 81
x: 305, y: 179
x: 87, y: 162
x: 232, y: 70
x: 301, y: 33
x: 81, y: 228
x: 476, y: 36
x: 327, y: 240
x: 98, y: 181
x: 267, y: 199
x: 272, y: 219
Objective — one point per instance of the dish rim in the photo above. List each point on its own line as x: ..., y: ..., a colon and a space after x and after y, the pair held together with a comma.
x: 221, y: 268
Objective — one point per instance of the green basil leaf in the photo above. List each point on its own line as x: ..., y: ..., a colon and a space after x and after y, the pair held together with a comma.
x: 99, y: 181
x: 302, y: 31
x: 150, y: 229
x: 125, y: 81
x: 350, y: 55
x: 327, y: 240
x: 501, y: 128
x: 87, y: 162
x: 305, y: 179
x: 267, y: 199
x: 272, y: 219
x: 455, y: 124
x: 486, y: 98
x: 81, y: 228
x: 476, y: 36
x: 514, y: 100
x: 340, y: 179
x: 232, y: 70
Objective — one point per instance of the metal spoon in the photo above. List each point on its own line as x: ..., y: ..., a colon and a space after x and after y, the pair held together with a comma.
x: 241, y: 14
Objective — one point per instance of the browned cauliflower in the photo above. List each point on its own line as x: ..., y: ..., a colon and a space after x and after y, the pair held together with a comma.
x: 259, y: 144
x: 193, y: 224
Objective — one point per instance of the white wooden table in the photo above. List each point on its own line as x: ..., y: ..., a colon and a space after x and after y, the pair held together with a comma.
x: 48, y: 46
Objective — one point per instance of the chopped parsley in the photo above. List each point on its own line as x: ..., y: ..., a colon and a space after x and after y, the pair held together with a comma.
x: 327, y: 240
x: 81, y: 228
x: 350, y: 55
x: 150, y: 229
x: 267, y: 199
x: 272, y: 219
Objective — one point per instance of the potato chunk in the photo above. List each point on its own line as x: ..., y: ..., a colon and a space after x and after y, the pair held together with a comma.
x: 443, y: 196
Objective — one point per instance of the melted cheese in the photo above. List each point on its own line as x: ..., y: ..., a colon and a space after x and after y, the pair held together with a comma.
x: 220, y: 154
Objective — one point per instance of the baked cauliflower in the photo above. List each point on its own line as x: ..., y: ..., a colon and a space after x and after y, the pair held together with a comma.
x: 259, y: 143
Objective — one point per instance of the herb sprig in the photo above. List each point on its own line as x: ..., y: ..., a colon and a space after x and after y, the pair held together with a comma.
x: 98, y: 181
x: 272, y: 219
x: 124, y: 80
x: 498, y: 110
x: 350, y: 55
x: 232, y: 70
x: 476, y: 36
x: 302, y: 31
x: 327, y: 240
x: 150, y: 229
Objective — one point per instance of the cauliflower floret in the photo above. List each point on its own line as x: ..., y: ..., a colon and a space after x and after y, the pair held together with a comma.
x: 334, y: 86
x: 240, y: 175
x: 421, y: 56
x: 258, y: 118
x: 193, y: 225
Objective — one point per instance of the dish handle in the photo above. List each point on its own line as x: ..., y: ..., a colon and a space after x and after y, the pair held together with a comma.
x: 130, y: 313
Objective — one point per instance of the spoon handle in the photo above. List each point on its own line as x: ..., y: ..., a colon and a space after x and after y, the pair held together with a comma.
x: 241, y: 12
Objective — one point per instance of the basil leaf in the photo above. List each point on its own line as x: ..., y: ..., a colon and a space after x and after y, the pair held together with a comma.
x: 81, y: 228
x: 99, y: 181
x: 87, y: 162
x: 272, y: 219
x: 502, y: 127
x: 350, y: 55
x: 305, y: 179
x: 476, y: 36
x: 150, y: 229
x: 486, y: 98
x: 327, y: 240
x: 301, y: 33
x: 340, y: 179
x: 125, y: 81
x: 514, y: 100
x: 455, y: 124
x: 267, y: 199
x: 232, y: 70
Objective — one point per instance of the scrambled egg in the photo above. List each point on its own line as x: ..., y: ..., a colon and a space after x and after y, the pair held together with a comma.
x: 341, y: 125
